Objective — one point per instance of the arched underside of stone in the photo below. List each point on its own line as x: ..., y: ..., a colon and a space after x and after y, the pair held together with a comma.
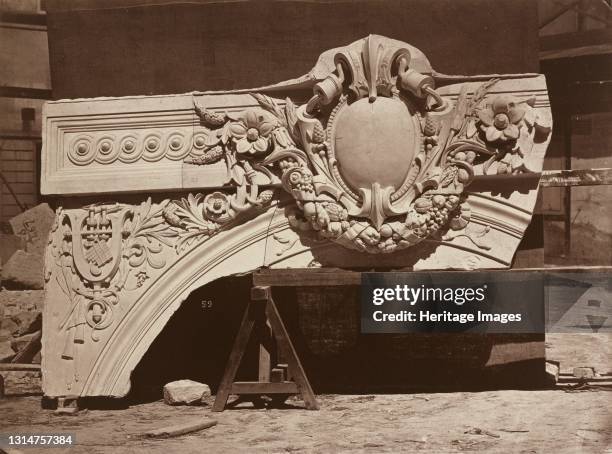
x: 83, y: 358
x: 258, y: 181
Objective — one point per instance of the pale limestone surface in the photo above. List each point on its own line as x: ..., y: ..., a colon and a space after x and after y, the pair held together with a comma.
x: 270, y: 181
x: 185, y: 392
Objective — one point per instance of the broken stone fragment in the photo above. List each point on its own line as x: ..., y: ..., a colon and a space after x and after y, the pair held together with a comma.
x: 33, y: 227
x: 7, y: 334
x: 185, y: 392
x: 6, y: 352
x: 22, y: 382
x: 15, y: 301
x: 552, y: 373
x: 9, y: 244
x: 584, y: 372
x: 7, y: 328
x: 27, y: 322
x: 24, y: 270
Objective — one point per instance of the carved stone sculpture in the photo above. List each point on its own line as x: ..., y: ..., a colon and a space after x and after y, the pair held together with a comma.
x: 370, y: 162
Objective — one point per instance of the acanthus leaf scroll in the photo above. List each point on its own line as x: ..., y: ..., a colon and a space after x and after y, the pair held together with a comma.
x: 97, y: 253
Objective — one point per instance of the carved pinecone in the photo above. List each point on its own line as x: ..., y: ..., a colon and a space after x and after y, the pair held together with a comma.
x: 336, y: 212
x: 431, y: 126
x: 209, y: 157
x: 318, y: 134
x: 213, y: 118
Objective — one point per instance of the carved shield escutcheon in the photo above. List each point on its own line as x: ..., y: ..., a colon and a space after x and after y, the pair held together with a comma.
x: 375, y: 142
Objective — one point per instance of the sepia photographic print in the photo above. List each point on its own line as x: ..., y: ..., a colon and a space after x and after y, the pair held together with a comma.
x: 306, y: 226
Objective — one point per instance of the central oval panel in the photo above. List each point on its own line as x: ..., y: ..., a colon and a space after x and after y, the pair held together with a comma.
x: 375, y: 142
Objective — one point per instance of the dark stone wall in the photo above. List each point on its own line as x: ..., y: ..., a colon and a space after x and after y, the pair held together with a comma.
x: 142, y: 47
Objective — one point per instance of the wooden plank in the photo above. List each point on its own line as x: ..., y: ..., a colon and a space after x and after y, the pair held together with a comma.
x: 306, y: 277
x: 586, y: 177
x: 19, y: 367
x: 25, y: 92
x: 547, y: 179
x: 565, y: 41
x: 251, y: 387
x: 180, y: 429
x: 264, y: 364
x: 277, y: 375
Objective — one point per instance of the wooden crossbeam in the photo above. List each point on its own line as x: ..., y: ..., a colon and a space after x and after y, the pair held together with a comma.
x: 307, y: 277
x: 19, y: 367
x: 546, y: 179
x: 587, y: 177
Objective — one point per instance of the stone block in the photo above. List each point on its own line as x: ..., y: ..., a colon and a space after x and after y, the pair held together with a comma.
x: 24, y: 270
x: 552, y: 372
x: 9, y: 244
x: 33, y: 227
x: 6, y: 352
x: 7, y: 333
x: 27, y: 322
x: 185, y: 392
x: 16, y: 301
x: 584, y: 372
x: 22, y: 382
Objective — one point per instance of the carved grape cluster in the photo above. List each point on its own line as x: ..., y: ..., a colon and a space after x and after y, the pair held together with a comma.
x: 298, y: 179
x: 431, y: 213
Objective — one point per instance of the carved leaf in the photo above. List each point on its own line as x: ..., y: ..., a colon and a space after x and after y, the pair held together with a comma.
x: 270, y: 105
x: 481, y: 92
x: 292, y: 121
x: 470, y: 130
x: 448, y: 176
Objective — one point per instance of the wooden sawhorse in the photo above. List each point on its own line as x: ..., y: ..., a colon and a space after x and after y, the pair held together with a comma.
x: 262, y: 317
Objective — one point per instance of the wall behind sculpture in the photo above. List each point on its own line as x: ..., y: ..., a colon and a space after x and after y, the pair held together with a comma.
x: 131, y: 47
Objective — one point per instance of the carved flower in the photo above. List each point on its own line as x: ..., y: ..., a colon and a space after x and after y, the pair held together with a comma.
x: 500, y: 119
x: 216, y: 204
x: 251, y: 131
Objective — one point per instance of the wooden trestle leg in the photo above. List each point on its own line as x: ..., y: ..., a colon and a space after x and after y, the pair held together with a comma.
x: 283, y: 380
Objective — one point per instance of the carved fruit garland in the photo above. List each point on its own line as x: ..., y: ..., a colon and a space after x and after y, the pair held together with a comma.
x: 480, y: 134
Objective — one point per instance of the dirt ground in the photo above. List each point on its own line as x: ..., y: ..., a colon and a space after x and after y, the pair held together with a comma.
x: 505, y: 421
x: 491, y: 422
